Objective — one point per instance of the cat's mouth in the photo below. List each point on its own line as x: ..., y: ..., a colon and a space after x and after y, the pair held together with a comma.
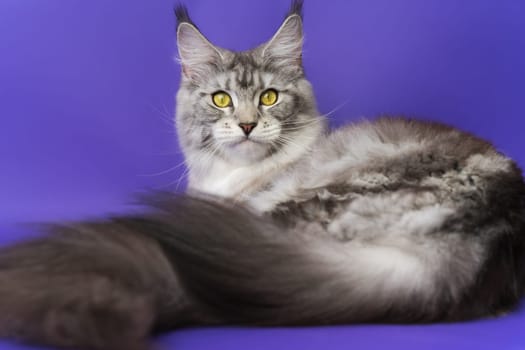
x: 247, y: 141
x: 246, y: 149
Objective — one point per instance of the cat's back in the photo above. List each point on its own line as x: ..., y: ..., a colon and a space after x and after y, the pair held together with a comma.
x: 396, y: 148
x: 400, y: 173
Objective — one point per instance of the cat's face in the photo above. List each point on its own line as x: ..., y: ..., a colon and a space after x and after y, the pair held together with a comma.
x: 243, y: 106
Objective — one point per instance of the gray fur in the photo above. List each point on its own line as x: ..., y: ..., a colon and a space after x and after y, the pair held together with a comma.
x: 412, y: 214
x: 394, y: 220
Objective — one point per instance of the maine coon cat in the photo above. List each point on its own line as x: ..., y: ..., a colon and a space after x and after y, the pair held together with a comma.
x: 289, y: 223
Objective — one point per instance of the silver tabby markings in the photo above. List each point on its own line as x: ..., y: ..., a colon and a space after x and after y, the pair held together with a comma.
x: 289, y: 223
x: 405, y: 219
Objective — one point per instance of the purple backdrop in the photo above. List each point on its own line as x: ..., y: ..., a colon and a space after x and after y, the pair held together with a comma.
x: 86, y: 98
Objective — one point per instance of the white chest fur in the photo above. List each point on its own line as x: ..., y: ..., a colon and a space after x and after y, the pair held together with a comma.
x: 227, y: 180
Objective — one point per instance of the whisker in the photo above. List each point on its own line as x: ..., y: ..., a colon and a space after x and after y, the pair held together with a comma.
x: 304, y: 121
x: 210, y: 151
x: 164, y: 114
x: 173, y: 168
x: 291, y: 142
x: 338, y: 107
x: 296, y: 128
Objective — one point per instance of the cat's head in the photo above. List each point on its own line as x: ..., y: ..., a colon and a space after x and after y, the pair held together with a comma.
x: 244, y: 106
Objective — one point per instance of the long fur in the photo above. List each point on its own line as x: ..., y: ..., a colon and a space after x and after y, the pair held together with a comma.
x: 187, y: 261
x: 386, y: 221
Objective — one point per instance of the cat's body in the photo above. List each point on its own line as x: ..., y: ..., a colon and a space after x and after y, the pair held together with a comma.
x: 393, y: 220
x: 421, y: 215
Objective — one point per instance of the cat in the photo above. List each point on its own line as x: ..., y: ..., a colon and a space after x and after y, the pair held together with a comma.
x: 285, y: 223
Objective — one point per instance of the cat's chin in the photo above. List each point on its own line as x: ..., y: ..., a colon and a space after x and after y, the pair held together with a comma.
x: 247, y: 151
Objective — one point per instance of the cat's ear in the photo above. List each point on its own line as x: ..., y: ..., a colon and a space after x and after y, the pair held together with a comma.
x: 197, y: 54
x: 286, y: 46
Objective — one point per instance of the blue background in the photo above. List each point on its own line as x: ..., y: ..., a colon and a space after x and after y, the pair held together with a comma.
x: 87, y: 98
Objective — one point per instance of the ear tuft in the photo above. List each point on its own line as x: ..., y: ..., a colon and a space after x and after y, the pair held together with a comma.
x: 182, y: 15
x: 296, y: 8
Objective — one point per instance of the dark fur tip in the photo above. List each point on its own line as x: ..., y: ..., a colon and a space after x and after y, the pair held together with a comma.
x: 296, y: 8
x: 182, y: 15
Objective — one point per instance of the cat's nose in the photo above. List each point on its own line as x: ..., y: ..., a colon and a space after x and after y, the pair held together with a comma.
x: 247, y: 127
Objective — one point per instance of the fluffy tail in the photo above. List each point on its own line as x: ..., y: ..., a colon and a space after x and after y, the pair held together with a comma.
x: 90, y: 286
x: 187, y: 261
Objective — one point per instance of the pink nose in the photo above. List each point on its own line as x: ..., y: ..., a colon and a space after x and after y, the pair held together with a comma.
x: 247, y: 127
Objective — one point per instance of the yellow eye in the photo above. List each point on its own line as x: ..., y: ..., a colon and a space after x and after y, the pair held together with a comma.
x: 221, y: 99
x: 269, y: 97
